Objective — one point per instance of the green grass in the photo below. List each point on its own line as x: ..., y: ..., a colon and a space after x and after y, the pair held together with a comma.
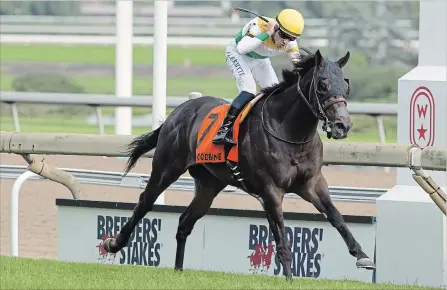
x: 105, y: 54
x: 60, y: 124
x: 219, y: 87
x: 23, y: 273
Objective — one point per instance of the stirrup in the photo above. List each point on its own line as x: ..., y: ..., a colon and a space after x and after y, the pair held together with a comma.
x: 221, y: 137
x: 230, y: 140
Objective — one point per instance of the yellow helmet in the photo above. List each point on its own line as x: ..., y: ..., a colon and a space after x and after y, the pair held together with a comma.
x: 291, y: 22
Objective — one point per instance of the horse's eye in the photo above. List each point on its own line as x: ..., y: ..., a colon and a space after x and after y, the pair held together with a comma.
x: 323, y: 85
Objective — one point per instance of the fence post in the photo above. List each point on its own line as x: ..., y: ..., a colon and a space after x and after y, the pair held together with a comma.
x: 124, y: 64
x: 160, y: 67
x: 15, y: 210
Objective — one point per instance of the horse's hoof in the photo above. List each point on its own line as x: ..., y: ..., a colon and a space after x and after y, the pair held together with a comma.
x: 365, y: 263
x: 108, y: 243
x: 178, y: 269
x: 288, y: 277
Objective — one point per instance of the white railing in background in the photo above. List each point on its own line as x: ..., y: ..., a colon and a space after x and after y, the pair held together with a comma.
x: 97, y: 101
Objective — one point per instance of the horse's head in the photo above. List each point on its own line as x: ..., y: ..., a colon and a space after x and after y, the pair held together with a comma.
x: 328, y: 90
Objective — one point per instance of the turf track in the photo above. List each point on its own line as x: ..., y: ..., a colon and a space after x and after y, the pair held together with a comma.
x: 21, y: 273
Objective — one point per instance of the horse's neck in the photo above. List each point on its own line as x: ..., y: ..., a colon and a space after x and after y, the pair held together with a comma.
x: 290, y: 117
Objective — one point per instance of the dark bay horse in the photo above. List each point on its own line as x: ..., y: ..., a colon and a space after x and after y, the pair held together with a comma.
x: 280, y: 151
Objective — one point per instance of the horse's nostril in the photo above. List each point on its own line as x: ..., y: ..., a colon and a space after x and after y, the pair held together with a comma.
x: 342, y: 127
x: 339, y: 126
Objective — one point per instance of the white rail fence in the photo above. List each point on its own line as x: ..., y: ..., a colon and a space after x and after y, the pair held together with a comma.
x: 96, y: 101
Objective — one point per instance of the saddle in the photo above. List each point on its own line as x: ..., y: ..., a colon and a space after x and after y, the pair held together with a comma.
x: 208, y: 152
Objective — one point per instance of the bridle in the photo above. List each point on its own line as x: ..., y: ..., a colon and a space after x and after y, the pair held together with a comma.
x: 328, y: 125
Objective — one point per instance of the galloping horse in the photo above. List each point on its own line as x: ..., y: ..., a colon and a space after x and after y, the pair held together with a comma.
x: 280, y: 151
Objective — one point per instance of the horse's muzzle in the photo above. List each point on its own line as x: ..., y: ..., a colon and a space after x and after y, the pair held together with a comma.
x: 340, y: 129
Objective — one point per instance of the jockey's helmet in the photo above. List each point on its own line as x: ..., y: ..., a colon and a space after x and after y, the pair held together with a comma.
x: 290, y: 22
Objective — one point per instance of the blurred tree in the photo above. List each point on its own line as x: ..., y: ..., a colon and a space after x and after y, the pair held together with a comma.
x: 315, y: 9
x: 373, y: 82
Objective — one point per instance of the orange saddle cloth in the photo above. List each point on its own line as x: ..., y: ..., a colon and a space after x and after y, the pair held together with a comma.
x: 206, y: 151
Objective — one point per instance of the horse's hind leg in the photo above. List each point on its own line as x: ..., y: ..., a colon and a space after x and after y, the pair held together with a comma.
x: 206, y: 189
x: 322, y: 202
x: 163, y: 174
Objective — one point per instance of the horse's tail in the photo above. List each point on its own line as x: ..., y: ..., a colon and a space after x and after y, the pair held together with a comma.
x: 139, y: 146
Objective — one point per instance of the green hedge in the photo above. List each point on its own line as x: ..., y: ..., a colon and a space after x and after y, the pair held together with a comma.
x: 52, y: 83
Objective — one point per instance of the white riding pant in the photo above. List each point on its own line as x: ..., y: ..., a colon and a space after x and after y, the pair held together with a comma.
x: 248, y: 71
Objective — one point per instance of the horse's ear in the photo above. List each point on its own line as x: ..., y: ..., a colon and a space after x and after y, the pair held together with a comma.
x: 344, y: 60
x: 319, y: 59
x: 348, y: 89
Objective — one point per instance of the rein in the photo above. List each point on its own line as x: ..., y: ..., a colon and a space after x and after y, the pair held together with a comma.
x: 320, y: 114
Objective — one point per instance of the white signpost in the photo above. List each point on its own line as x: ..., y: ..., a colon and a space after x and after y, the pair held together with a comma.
x: 411, y: 230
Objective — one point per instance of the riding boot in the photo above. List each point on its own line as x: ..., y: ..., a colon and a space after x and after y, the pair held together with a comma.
x: 227, y: 124
x: 236, y: 107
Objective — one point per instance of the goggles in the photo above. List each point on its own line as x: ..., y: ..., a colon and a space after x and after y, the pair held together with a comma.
x: 285, y: 36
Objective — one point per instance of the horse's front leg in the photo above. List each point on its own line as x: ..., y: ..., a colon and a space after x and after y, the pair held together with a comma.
x: 273, y: 206
x: 272, y: 224
x: 317, y: 192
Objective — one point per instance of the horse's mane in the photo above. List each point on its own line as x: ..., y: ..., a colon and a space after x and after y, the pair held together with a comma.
x: 290, y: 78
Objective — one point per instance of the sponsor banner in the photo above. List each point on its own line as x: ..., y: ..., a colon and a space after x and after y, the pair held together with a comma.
x: 304, y: 243
x: 217, y: 243
x: 143, y: 247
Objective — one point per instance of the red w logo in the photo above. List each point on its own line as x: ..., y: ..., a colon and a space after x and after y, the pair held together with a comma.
x: 422, y: 110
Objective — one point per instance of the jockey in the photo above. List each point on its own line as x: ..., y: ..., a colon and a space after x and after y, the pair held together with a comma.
x: 248, y: 56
